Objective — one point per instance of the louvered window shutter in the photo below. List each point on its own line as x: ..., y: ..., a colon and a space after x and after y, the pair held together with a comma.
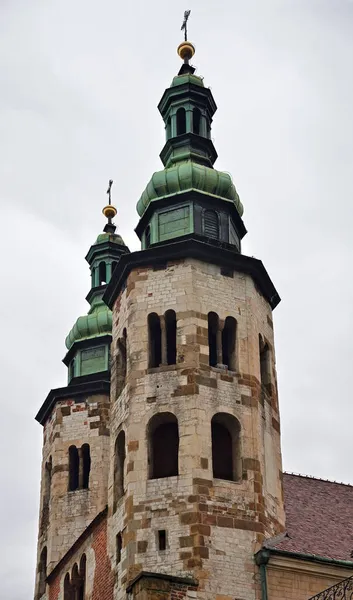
x: 211, y: 227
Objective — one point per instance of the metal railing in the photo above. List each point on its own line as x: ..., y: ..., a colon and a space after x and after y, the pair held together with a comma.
x: 341, y: 591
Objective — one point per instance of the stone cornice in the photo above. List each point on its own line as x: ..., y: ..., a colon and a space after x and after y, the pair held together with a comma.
x: 85, y: 388
x: 192, y: 246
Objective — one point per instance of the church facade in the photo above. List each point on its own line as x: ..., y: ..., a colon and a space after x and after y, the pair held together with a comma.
x: 162, y: 471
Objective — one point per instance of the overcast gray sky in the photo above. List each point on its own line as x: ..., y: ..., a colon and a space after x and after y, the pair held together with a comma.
x: 79, y: 86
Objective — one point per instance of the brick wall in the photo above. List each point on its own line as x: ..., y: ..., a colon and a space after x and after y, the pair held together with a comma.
x: 99, y: 575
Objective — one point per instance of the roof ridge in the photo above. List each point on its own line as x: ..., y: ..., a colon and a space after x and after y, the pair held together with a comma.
x: 317, y: 478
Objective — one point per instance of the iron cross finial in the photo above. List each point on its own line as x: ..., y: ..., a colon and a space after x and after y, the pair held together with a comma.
x: 109, y: 190
x: 185, y: 23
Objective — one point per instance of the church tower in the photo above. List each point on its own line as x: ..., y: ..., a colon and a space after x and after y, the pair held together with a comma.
x: 196, y: 472
x: 162, y: 471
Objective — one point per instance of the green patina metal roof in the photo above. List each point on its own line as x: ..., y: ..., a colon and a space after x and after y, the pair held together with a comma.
x: 186, y: 78
x: 97, y: 322
x: 187, y: 176
x: 115, y: 238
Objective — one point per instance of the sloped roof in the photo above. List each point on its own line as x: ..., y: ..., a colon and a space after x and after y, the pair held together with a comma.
x: 319, y: 518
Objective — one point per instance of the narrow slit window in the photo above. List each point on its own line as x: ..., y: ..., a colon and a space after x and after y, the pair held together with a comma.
x: 42, y: 569
x: 228, y: 343
x: 102, y: 273
x: 86, y: 465
x: 196, y: 120
x: 181, y: 121
x: 119, y: 545
x: 155, y: 340
x: 162, y: 539
x: 171, y: 332
x: 73, y: 468
x: 119, y: 467
x: 213, y: 325
x: 265, y: 363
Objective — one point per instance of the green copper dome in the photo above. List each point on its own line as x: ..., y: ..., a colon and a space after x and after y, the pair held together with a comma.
x: 97, y: 322
x: 187, y: 176
x: 115, y: 238
x: 186, y: 78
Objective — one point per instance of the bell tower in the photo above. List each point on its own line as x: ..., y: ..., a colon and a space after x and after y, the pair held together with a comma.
x: 195, y: 482
x: 76, y: 425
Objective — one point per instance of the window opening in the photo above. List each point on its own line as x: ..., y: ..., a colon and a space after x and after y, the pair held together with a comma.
x: 155, y: 339
x: 119, y: 545
x: 226, y: 459
x: 211, y: 224
x: 228, y: 343
x: 121, y: 363
x: 119, y: 467
x: 265, y: 368
x: 171, y: 331
x: 162, y: 539
x: 163, y: 446
x: 169, y: 128
x: 148, y: 236
x: 42, y: 569
x: 196, y: 120
x: 181, y: 121
x: 102, y: 273
x: 73, y: 468
x: 86, y: 465
x: 213, y: 325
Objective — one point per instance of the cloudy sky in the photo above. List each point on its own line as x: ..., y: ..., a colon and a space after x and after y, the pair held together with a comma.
x: 80, y: 82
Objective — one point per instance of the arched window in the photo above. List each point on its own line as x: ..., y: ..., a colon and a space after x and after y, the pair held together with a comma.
x: 163, y: 437
x: 148, y: 236
x: 196, y: 121
x: 102, y: 273
x: 226, y: 458
x: 213, y: 326
x: 121, y: 363
x: 68, y: 595
x: 154, y: 340
x: 181, y: 121
x: 80, y: 594
x: 265, y: 363
x: 86, y: 465
x: 211, y: 224
x: 73, y: 468
x: 42, y: 572
x: 119, y: 467
x: 228, y: 342
x: 171, y: 331
x: 47, y: 480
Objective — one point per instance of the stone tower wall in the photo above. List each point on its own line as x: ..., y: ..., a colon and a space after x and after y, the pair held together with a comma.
x: 213, y: 526
x: 72, y: 422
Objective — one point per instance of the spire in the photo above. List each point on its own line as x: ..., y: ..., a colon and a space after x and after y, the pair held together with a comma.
x: 189, y: 196
x: 89, y: 339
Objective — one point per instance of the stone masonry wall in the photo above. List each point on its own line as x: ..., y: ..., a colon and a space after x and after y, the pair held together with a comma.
x: 213, y: 526
x: 73, y: 422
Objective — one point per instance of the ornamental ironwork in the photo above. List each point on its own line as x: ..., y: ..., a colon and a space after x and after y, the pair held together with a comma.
x: 341, y: 591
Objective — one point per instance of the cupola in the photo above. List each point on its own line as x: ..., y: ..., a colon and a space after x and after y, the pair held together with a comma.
x: 189, y: 196
x: 88, y: 342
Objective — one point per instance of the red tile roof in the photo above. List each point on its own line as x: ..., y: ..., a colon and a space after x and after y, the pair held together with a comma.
x: 319, y: 518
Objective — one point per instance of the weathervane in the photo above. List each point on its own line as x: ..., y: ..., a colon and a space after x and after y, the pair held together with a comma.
x: 185, y: 24
x: 109, y: 211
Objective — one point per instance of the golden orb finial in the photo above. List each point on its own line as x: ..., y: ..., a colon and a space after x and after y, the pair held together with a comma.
x: 186, y: 50
x: 109, y: 211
